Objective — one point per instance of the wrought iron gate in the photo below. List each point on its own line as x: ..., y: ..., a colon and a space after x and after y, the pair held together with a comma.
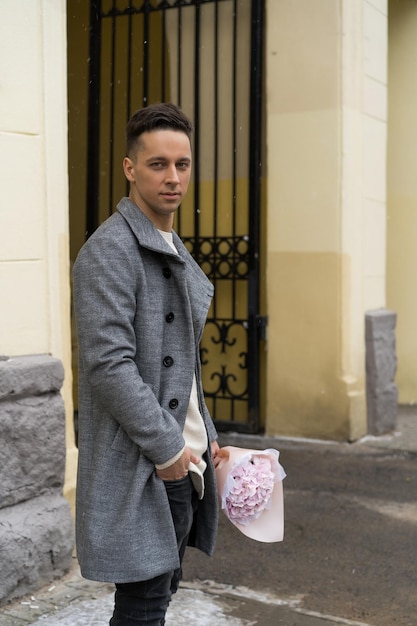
x: 205, y: 55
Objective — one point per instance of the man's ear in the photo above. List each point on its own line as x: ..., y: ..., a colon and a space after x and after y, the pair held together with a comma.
x: 128, y: 169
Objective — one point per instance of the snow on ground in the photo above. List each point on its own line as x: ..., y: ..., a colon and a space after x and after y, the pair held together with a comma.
x: 188, y: 607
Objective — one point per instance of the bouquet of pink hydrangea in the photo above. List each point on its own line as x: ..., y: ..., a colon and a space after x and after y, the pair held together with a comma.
x: 250, y: 488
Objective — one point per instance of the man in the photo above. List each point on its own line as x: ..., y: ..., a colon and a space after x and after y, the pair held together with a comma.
x: 147, y: 445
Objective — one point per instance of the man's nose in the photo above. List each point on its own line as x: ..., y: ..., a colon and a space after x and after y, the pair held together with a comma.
x: 172, y: 174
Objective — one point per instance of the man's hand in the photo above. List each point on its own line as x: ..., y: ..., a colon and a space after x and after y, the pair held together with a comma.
x: 179, y: 469
x: 214, y: 453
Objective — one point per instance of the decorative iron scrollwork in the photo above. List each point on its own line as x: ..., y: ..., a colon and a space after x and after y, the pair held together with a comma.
x: 221, y: 257
x: 224, y: 356
x: 223, y: 336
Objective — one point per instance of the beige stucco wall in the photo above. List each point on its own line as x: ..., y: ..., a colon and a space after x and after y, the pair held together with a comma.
x: 326, y: 132
x: 34, y: 253
x: 402, y: 190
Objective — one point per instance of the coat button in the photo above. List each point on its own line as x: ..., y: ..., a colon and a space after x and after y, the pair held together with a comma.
x: 173, y: 404
x: 170, y: 317
x: 166, y: 272
x: 168, y: 361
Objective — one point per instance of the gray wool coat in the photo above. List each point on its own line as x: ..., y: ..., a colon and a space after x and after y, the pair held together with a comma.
x: 140, y: 312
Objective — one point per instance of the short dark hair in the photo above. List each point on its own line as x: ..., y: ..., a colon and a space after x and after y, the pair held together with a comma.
x: 161, y: 116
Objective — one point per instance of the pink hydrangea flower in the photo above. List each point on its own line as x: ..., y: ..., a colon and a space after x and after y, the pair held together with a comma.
x: 250, y: 487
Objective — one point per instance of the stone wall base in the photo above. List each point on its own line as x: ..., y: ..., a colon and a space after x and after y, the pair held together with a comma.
x: 36, y: 527
x: 36, y: 543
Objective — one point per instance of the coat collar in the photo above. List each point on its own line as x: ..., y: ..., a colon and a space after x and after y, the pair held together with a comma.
x: 148, y: 237
x: 145, y: 232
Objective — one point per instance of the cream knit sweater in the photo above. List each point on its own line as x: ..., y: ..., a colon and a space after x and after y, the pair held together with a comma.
x: 195, y: 435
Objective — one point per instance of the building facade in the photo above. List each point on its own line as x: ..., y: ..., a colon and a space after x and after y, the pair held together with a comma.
x: 338, y: 211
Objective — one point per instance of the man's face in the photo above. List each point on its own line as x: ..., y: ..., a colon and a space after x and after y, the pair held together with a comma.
x: 159, y: 174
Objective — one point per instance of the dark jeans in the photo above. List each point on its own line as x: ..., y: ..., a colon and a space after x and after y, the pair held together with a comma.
x: 146, y: 601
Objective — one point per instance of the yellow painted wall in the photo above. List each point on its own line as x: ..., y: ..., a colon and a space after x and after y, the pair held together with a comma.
x: 325, y: 204
x: 402, y: 190
x: 303, y: 261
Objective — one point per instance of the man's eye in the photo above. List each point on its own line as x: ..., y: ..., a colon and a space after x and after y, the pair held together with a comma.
x: 182, y: 166
x: 157, y: 164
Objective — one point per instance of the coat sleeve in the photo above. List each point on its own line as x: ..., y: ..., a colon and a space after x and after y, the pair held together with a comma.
x: 104, y: 279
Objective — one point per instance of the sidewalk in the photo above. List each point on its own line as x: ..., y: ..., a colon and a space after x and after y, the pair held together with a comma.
x: 74, y: 601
